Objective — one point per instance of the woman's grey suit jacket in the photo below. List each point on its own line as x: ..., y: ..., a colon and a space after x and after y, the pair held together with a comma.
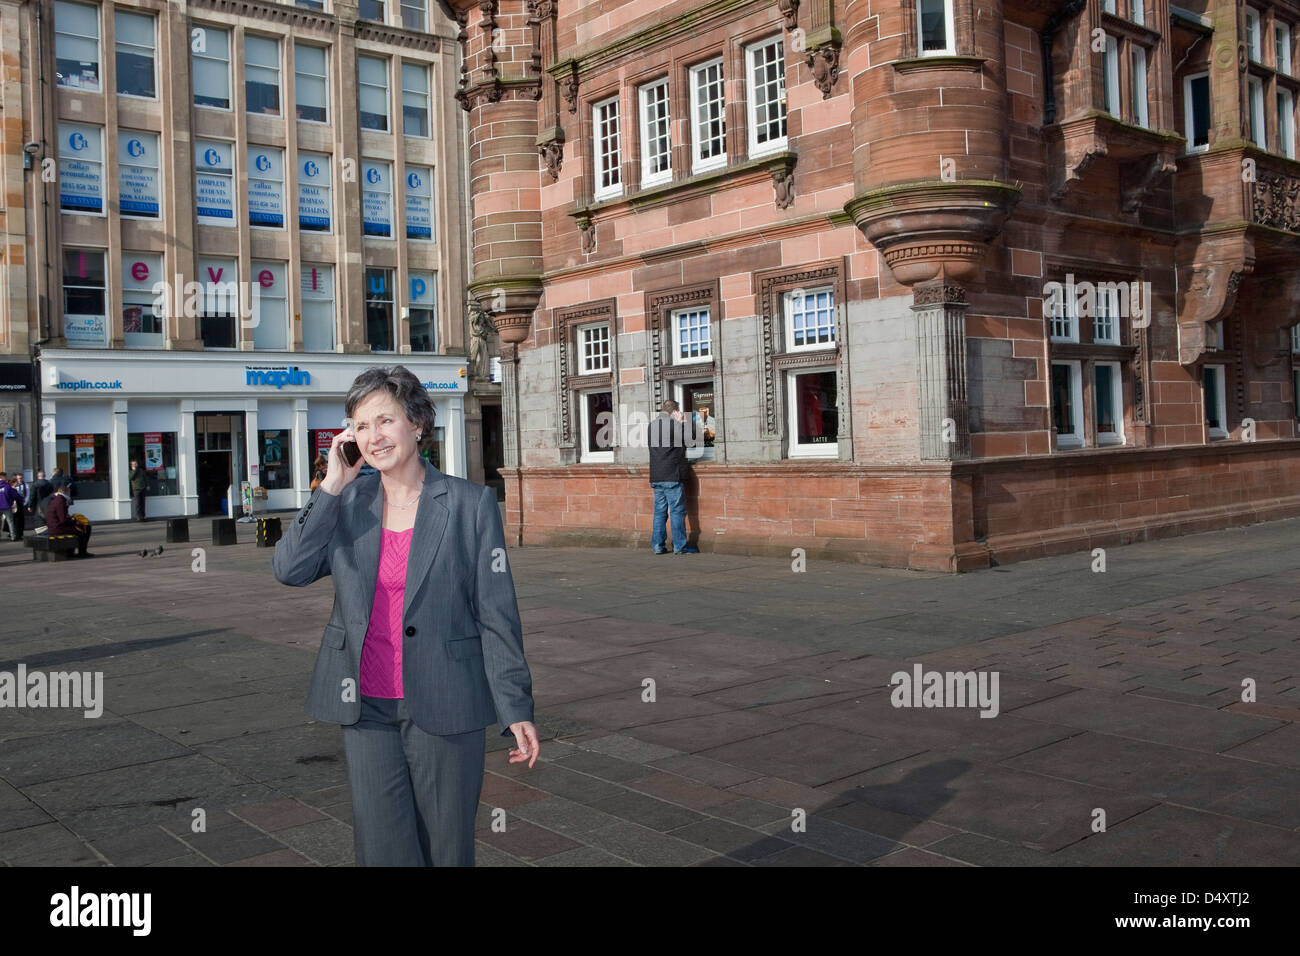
x: 463, y: 664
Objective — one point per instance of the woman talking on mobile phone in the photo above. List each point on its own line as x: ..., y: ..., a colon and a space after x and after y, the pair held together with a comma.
x: 423, y: 649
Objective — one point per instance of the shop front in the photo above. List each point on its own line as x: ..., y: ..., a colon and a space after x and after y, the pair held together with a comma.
x: 202, y: 423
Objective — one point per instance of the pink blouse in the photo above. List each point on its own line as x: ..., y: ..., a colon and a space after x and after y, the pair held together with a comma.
x: 381, y: 652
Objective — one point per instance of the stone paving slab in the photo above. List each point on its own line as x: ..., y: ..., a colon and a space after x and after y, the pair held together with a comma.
x: 771, y: 740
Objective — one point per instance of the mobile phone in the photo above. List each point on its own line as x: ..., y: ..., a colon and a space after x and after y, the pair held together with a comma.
x: 351, y: 452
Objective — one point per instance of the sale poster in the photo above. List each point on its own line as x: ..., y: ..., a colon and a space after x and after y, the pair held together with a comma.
x: 85, y: 454
x: 152, y: 451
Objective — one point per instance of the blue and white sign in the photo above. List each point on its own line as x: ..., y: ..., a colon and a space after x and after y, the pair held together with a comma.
x: 214, y: 179
x: 85, y: 331
x: 314, y: 204
x: 137, y: 173
x: 81, y: 167
x: 419, y: 208
x: 265, y: 186
x: 376, y: 199
x: 423, y: 293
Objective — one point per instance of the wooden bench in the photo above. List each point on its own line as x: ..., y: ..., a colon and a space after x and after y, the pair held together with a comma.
x: 51, y: 547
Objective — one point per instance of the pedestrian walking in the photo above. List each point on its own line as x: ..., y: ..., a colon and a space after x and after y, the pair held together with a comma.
x: 41, y: 491
x: 23, y: 490
x: 666, y: 436
x: 432, y: 665
x: 59, y: 520
x: 11, y: 509
x: 139, y: 488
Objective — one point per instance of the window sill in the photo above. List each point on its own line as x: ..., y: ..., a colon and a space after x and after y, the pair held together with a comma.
x: 940, y: 62
x: 698, y: 184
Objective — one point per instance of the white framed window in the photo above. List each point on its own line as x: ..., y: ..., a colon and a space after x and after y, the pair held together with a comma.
x: 261, y: 75
x: 76, y: 45
x: 81, y: 168
x: 934, y: 27
x: 812, y: 413
x: 709, y: 116
x: 593, y: 348
x: 415, y: 15
x: 597, y: 410
x: 317, y: 308
x: 214, y: 182
x: 767, y: 117
x: 692, y: 335
x: 697, y: 400
x: 371, y: 10
x: 1062, y: 309
x: 1295, y: 339
x: 1110, y: 75
x: 809, y: 318
x: 1196, y: 112
x: 1214, y: 336
x: 311, y: 4
x: 656, y: 134
x: 1286, y: 123
x: 1105, y: 314
x: 270, y: 306
x: 210, y: 65
x: 142, y: 319
x: 1108, y: 6
x: 1138, y: 12
x: 607, y: 146
x: 133, y: 35
x: 1216, y: 408
x: 377, y: 199
x: 1254, y: 46
x: 415, y: 99
x: 85, y: 313
x: 266, y: 187
x: 1108, y: 400
x: 1255, y: 104
x: 419, y: 202
x: 137, y: 174
x: 423, y: 319
x: 219, y: 278
x: 315, y: 192
x: 1282, y: 46
x: 1138, y: 62
x: 381, y: 330
x: 1067, y: 404
x: 311, y: 82
x: 372, y: 75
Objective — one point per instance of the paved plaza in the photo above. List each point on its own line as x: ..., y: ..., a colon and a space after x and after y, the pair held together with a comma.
x: 1121, y: 734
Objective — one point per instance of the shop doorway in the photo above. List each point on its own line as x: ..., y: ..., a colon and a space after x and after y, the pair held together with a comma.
x: 219, y: 445
x: 494, y: 454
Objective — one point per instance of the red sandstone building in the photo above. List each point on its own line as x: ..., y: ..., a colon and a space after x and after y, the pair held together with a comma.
x: 952, y: 282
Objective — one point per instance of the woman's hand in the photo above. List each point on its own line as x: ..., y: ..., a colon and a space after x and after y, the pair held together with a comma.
x: 526, y: 736
x: 338, y: 474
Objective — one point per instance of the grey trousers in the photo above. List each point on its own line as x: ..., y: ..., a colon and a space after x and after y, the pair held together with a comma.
x: 414, y: 794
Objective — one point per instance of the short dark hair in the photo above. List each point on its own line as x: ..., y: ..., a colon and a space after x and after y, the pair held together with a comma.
x: 668, y: 406
x: 402, y: 384
x: 59, y: 481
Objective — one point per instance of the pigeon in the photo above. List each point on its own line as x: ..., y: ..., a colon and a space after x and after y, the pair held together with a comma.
x: 144, y: 554
x: 160, y: 550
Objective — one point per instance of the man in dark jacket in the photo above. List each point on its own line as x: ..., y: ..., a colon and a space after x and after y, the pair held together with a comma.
x: 41, y: 491
x: 666, y: 436
x: 59, y: 520
x: 139, y: 484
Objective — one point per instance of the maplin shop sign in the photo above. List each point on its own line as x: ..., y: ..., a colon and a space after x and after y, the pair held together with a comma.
x: 279, y: 376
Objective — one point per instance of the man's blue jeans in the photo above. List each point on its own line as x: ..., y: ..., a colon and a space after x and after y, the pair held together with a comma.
x: 669, y: 503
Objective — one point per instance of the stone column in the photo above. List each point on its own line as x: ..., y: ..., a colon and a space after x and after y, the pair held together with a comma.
x: 941, y: 370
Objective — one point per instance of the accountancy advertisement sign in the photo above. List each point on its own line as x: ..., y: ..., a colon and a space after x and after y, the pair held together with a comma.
x: 81, y: 167
x: 265, y: 187
x: 214, y: 182
x: 419, y: 207
x: 314, y: 205
x: 137, y: 173
x: 377, y: 199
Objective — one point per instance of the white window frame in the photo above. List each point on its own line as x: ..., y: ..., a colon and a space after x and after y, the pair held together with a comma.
x: 1220, y: 401
x: 1141, y: 98
x: 1254, y: 36
x: 233, y: 221
x: 99, y: 46
x: 262, y: 67
x: 752, y: 70
x: 118, y: 43
x: 1285, y: 123
x: 124, y: 136
x: 1069, y: 314
x: 409, y: 194
x: 369, y: 296
x: 1109, y: 6
x: 255, y: 174
x: 424, y: 93
x: 383, y: 12
x: 1189, y: 118
x: 299, y: 73
x: 789, y: 300
x: 1072, y: 439
x: 316, y: 304
x: 65, y: 156
x: 1117, y: 403
x: 65, y: 285
x: 1282, y: 45
x: 587, y: 454
x: 363, y: 85
x: 423, y: 7
x: 1214, y: 336
x: 220, y: 296
x: 949, y: 48
x: 1295, y: 339
x: 1255, y: 107
x: 674, y: 318
x: 136, y: 293
x: 1109, y: 314
x: 1110, y: 76
x: 1138, y: 12
x: 606, y: 128
x: 209, y: 31
x: 262, y: 299
x: 325, y: 160
x: 696, y: 450
x: 699, y: 162
x: 430, y: 279
x: 794, y: 447
x: 656, y: 126
x: 589, y: 342
x: 366, y: 187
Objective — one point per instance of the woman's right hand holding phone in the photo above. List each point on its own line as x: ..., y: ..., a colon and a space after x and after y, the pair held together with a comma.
x: 339, y: 474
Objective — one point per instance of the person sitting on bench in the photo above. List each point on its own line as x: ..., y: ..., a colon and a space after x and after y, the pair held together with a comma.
x: 59, y: 521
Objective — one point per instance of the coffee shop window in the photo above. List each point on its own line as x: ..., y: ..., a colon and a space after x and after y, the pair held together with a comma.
x: 155, y: 452
x: 696, y: 400
x: 597, y: 409
x: 813, y: 413
x: 84, y: 459
x: 273, y: 457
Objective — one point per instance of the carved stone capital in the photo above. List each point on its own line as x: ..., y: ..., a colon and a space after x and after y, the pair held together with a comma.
x: 790, y: 10
x: 586, y: 233
x: 568, y: 84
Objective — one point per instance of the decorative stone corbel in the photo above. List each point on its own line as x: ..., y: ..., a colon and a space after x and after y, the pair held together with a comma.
x: 1078, y: 154
x: 569, y: 87
x: 552, y: 153
x: 789, y: 10
x: 824, y: 62
x: 1144, y: 176
x: 783, y: 183
x: 586, y: 232
x: 1211, y: 290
